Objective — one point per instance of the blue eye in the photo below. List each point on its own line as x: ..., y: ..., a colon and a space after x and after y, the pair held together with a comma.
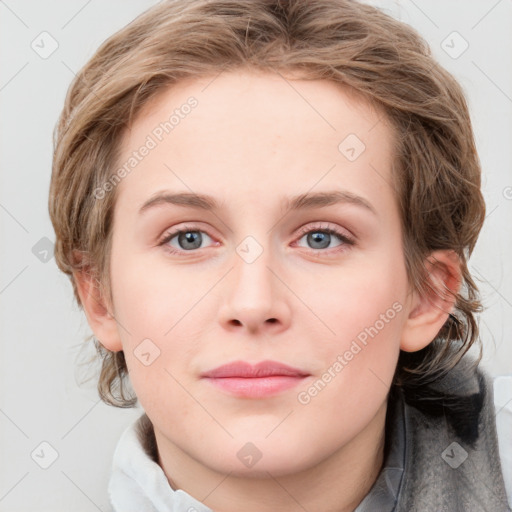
x: 187, y: 239
x: 321, y: 238
x: 318, y: 239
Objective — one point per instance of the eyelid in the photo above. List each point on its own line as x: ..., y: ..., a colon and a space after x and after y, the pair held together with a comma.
x: 169, y: 234
x: 340, y: 232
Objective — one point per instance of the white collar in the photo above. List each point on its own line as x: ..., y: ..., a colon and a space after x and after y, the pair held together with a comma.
x: 137, y: 483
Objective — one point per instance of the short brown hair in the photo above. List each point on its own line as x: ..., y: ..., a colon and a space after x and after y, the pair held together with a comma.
x: 436, y: 167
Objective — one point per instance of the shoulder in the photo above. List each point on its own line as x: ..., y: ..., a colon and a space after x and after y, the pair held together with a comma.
x: 503, y: 407
x: 454, y: 416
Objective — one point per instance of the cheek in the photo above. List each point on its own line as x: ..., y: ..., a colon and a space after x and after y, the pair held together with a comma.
x: 364, y: 310
x: 157, y: 311
x: 360, y: 298
x: 150, y: 300
x: 359, y: 361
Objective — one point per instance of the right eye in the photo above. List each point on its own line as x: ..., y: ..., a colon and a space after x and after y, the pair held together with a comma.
x: 186, y: 239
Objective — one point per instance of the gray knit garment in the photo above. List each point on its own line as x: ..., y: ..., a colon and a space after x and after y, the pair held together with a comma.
x: 432, y: 466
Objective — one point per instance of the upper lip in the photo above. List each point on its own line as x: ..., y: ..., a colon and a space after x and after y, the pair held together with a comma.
x: 247, y: 370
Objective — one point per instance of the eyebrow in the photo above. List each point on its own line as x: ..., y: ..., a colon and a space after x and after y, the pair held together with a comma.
x: 300, y: 202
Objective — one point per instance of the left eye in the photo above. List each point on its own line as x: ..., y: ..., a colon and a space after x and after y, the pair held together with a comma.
x: 322, y: 238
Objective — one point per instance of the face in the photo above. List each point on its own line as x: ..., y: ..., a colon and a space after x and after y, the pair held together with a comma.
x: 294, y: 257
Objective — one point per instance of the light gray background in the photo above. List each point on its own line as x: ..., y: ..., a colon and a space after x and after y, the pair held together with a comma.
x: 42, y: 330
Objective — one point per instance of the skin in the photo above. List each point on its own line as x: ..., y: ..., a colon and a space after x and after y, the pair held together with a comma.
x: 252, y: 139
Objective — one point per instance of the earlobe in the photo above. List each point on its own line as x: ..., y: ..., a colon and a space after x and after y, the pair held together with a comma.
x: 100, y: 319
x: 429, y: 311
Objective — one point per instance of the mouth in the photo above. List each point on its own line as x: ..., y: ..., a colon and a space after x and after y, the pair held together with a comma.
x: 266, y: 378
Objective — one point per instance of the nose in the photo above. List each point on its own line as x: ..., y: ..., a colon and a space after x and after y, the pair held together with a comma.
x: 255, y: 297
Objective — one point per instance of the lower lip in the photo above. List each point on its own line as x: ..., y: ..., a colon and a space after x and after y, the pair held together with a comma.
x: 255, y: 387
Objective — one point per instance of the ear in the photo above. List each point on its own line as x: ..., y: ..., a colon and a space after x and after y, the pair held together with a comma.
x: 100, y: 319
x: 428, y: 313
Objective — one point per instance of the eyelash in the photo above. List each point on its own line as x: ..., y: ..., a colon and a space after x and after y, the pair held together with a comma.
x: 345, y: 239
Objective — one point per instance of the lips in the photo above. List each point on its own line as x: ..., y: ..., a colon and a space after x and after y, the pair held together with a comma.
x: 264, y: 379
x: 246, y: 370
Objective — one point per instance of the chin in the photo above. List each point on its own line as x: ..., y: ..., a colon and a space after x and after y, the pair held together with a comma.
x: 258, y: 458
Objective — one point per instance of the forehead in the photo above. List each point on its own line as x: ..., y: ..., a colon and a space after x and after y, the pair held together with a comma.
x: 257, y: 134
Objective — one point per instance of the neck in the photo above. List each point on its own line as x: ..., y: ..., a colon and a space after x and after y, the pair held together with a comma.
x: 336, y: 484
